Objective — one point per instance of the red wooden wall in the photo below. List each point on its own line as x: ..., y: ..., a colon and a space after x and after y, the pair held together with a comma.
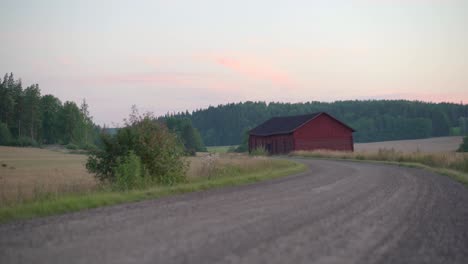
x: 275, y: 144
x: 323, y: 132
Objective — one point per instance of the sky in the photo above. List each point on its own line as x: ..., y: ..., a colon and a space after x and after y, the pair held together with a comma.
x: 173, y: 55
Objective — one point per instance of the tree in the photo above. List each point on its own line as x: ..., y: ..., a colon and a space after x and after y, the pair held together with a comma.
x: 192, y: 139
x: 18, y: 109
x: 69, y: 119
x: 188, y: 135
x: 463, y: 123
x: 87, y: 125
x: 7, y: 102
x: 51, y: 107
x: 32, y: 115
x: 5, y: 136
x: 440, y: 124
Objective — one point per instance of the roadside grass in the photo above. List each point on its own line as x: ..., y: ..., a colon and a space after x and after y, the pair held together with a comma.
x: 209, y: 172
x: 452, y: 164
x: 220, y: 149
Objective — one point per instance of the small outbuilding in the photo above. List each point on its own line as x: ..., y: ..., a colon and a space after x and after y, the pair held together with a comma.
x: 280, y: 135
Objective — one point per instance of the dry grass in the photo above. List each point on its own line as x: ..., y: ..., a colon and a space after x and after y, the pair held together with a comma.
x: 428, y: 145
x: 30, y: 174
x: 446, y: 160
x: 227, y: 164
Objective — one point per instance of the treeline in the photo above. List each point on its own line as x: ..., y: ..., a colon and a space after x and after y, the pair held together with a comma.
x: 374, y: 120
x: 28, y: 118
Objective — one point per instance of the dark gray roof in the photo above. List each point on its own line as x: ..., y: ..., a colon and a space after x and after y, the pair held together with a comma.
x: 286, y: 124
x: 281, y: 125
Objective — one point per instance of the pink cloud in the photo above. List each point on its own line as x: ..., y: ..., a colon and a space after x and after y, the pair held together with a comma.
x: 191, y: 81
x: 152, y: 62
x: 255, y: 70
x: 251, y: 67
x: 143, y: 78
x: 65, y: 61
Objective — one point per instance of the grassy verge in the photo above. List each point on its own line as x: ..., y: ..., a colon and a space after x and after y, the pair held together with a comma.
x: 453, y: 165
x: 74, y: 202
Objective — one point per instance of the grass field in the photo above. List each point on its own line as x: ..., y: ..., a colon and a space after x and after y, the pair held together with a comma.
x: 427, y: 145
x: 39, y: 182
x: 219, y: 149
x: 31, y: 173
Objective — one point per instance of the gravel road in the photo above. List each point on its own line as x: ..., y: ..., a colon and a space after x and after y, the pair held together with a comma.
x: 337, y: 212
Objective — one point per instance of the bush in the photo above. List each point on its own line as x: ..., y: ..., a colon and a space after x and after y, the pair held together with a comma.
x: 160, y: 152
x: 260, y: 151
x: 25, y: 142
x: 5, y: 135
x: 129, y: 172
x: 89, y: 147
x: 233, y: 149
x: 71, y: 146
x: 464, y: 145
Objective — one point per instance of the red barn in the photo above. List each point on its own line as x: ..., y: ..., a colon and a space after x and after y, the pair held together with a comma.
x: 304, y: 132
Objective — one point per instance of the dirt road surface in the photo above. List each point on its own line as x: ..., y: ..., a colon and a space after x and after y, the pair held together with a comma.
x: 337, y: 212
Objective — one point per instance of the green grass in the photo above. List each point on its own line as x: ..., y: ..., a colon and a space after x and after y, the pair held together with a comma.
x: 219, y: 149
x: 76, y: 202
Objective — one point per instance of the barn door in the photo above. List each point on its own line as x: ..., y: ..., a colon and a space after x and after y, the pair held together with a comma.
x: 268, y: 148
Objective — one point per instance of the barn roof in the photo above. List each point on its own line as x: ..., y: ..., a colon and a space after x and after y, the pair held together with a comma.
x: 286, y: 124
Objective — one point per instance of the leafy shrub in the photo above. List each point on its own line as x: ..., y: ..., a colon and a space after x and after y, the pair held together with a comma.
x: 24, y: 142
x: 130, y: 172
x: 260, y: 151
x: 244, y: 146
x: 71, y: 146
x: 464, y: 145
x: 159, y: 150
x: 232, y: 149
x: 5, y: 135
x: 90, y: 147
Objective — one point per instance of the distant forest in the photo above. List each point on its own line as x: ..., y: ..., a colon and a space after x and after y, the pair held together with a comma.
x: 374, y: 120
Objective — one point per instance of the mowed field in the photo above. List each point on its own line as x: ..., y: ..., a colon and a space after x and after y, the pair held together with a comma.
x: 427, y: 145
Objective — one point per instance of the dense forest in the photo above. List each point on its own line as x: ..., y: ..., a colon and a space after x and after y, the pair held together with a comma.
x: 374, y: 120
x: 28, y: 118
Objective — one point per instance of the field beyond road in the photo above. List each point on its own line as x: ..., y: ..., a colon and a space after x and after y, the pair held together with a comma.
x: 337, y: 212
x: 427, y: 145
